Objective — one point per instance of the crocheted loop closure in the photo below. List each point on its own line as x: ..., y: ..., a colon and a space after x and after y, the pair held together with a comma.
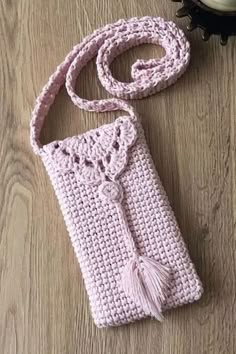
x: 111, y: 192
x: 150, y: 76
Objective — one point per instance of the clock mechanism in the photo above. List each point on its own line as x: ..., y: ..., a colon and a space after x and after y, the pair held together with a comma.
x: 214, y: 17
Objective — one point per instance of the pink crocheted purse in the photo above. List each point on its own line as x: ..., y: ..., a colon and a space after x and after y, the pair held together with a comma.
x: 133, y: 258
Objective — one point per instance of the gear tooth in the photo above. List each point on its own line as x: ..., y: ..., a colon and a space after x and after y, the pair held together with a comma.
x: 224, y: 39
x: 182, y: 12
x: 191, y: 26
x: 207, y: 19
x: 206, y: 35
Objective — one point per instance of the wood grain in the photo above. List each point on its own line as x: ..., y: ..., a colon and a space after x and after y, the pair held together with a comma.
x: 190, y: 128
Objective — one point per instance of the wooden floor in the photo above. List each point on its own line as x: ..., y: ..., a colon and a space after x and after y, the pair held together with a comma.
x: 191, y: 131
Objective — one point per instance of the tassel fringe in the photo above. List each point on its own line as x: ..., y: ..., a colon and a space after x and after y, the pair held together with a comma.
x: 146, y: 282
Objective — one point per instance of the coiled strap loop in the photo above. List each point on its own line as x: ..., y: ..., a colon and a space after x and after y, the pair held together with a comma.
x: 149, y: 76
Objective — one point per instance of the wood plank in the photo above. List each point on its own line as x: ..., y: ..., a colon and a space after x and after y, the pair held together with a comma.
x: 190, y: 129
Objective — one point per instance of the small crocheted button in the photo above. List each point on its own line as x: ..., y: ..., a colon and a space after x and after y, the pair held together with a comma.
x: 110, y: 191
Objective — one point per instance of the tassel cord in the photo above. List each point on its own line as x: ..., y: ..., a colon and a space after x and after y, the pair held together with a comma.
x: 143, y: 279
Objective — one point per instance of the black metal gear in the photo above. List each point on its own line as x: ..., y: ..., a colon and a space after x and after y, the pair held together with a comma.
x: 211, y: 21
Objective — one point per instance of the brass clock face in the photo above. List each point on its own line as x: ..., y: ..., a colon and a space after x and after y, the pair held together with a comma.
x: 208, y: 16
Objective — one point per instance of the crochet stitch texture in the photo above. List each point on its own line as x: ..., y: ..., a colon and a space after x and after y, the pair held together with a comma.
x: 123, y: 230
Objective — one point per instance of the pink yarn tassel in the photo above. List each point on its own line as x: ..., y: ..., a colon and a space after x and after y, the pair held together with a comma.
x: 146, y: 282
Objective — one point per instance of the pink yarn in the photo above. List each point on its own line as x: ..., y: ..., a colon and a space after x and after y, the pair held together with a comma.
x: 133, y: 258
x: 150, y: 76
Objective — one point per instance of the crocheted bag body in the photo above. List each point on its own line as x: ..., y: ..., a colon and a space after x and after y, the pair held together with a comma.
x: 131, y: 253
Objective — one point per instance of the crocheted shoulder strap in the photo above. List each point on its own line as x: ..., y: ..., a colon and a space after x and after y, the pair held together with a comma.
x: 149, y: 76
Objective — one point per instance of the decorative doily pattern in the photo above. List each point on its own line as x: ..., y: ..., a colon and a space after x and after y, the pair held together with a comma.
x: 97, y: 155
